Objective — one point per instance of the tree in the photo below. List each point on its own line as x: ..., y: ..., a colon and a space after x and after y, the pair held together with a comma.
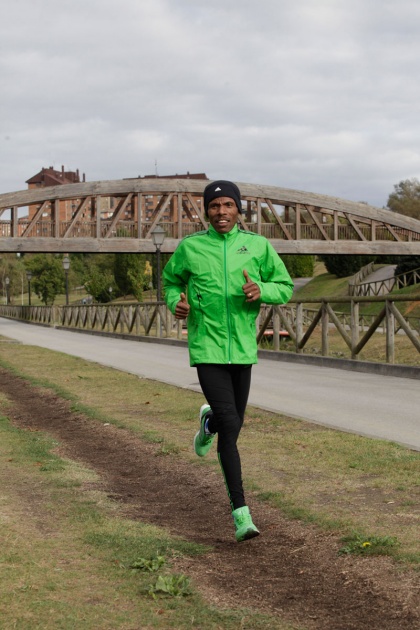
x: 130, y: 274
x: 97, y: 273
x: 406, y: 264
x: 406, y: 198
x: 47, y: 276
x: 299, y: 265
x: 343, y: 265
x: 99, y: 284
x: 12, y: 267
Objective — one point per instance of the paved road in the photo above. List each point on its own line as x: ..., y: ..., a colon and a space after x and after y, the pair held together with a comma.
x: 378, y: 406
x: 383, y: 273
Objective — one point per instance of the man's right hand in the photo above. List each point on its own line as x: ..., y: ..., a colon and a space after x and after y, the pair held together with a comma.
x: 182, y: 308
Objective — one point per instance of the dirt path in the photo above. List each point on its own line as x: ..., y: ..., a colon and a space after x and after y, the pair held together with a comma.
x: 291, y: 570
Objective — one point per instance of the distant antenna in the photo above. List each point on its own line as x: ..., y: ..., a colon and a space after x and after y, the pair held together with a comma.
x: 156, y: 170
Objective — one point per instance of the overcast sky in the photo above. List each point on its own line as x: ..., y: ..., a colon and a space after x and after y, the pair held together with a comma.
x: 314, y: 95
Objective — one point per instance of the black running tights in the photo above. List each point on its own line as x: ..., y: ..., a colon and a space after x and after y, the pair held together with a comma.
x: 226, y: 388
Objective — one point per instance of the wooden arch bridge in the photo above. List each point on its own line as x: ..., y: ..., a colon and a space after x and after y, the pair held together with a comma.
x: 120, y: 215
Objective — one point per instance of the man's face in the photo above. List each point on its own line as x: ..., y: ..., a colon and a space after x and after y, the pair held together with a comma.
x: 223, y: 214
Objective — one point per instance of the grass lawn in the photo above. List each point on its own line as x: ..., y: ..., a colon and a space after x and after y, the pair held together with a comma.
x: 64, y: 548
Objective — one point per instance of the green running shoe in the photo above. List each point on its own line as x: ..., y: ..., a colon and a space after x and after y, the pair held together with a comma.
x: 202, y: 439
x: 245, y: 528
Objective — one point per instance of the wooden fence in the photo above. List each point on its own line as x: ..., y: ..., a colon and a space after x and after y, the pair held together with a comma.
x: 145, y: 318
x: 356, y: 329
x: 381, y: 287
x: 297, y: 321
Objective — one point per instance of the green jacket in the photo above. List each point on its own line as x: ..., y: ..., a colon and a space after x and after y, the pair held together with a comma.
x: 208, y: 267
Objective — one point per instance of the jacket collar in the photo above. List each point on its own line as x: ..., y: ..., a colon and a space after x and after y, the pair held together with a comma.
x: 214, y: 234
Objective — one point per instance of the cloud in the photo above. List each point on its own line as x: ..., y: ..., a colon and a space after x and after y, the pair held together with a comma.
x: 315, y: 96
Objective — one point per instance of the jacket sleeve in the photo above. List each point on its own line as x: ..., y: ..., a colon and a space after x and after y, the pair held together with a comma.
x: 276, y: 285
x: 175, y: 278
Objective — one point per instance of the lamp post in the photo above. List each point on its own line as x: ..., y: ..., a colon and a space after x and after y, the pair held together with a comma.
x: 66, y: 267
x: 29, y: 278
x: 158, y: 236
x: 110, y: 294
x: 7, y: 281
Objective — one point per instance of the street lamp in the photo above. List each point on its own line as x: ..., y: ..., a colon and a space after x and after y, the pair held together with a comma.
x: 7, y: 281
x: 66, y: 267
x: 158, y: 236
x: 29, y: 278
x: 110, y: 294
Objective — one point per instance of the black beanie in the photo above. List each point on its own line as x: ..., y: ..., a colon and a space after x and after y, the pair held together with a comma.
x: 221, y: 188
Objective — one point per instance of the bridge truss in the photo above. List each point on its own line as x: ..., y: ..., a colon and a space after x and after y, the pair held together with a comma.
x: 120, y: 215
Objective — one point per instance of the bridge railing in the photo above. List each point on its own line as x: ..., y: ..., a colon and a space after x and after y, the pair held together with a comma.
x: 301, y: 324
x: 87, y: 228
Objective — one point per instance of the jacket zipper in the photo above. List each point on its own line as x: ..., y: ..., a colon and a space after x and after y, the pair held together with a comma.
x: 227, y: 302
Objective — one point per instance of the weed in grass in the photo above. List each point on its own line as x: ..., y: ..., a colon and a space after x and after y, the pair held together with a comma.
x: 154, y: 564
x: 358, y: 544
x: 168, y: 449
x: 171, y: 585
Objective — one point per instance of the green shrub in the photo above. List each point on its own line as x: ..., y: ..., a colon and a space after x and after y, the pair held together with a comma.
x: 299, y: 266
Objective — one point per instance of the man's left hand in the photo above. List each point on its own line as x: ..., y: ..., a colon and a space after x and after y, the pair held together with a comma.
x: 251, y: 289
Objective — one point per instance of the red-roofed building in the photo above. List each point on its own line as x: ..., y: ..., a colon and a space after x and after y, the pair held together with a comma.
x: 50, y: 177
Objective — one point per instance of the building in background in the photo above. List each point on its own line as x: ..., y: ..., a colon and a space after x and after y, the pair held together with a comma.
x: 79, y: 215
x: 50, y: 177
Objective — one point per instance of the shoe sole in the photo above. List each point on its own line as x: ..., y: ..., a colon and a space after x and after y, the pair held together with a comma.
x: 195, y: 437
x: 250, y: 533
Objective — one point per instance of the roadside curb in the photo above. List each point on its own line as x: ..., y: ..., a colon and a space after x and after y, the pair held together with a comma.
x: 384, y: 369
